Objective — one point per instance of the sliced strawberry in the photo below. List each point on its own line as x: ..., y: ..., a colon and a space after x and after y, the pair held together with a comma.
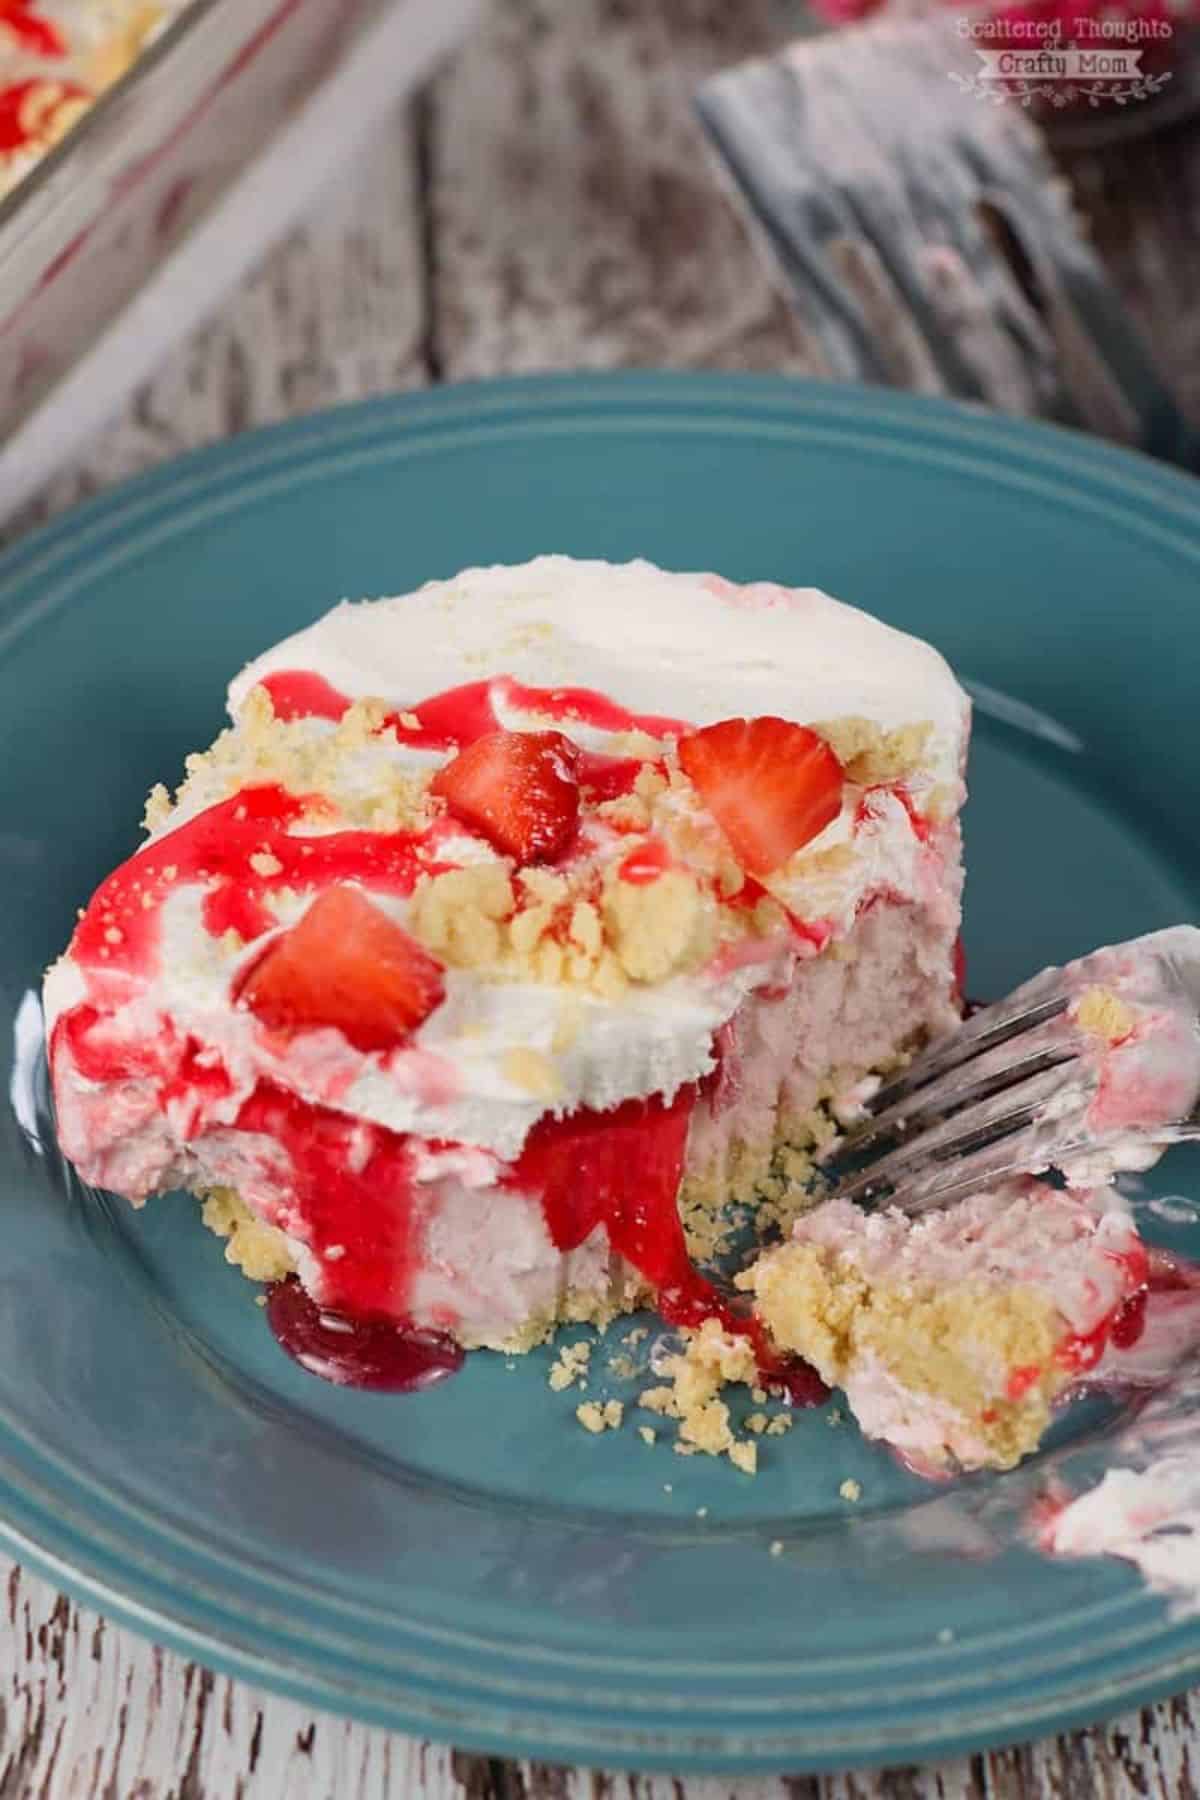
x: 345, y: 964
x: 769, y: 784
x: 519, y: 788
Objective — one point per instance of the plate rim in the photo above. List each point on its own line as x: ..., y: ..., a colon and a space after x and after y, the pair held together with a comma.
x: 214, y: 476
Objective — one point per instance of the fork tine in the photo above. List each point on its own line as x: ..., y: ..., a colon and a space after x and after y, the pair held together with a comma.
x: 941, y: 1184
x: 998, y: 1117
x: 1022, y: 1011
x: 1046, y: 1046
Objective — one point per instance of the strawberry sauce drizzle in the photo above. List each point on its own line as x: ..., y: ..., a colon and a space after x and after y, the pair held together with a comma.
x: 22, y: 100
x: 622, y: 1169
x: 26, y: 30
x: 607, y: 777
x: 81, y: 1032
x: 351, y: 1191
x: 455, y: 718
x: 586, y: 706
x: 121, y: 926
x: 1122, y: 1326
x: 300, y: 694
x: 645, y: 863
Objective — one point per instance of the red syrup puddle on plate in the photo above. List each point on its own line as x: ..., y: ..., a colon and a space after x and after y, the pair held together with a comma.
x: 361, y: 1353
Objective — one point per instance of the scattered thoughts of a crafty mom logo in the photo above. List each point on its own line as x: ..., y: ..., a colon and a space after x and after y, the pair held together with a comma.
x: 1105, y: 60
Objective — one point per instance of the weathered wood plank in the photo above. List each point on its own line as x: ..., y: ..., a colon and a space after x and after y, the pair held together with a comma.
x: 577, y: 220
x: 1142, y: 201
x: 87, y: 1709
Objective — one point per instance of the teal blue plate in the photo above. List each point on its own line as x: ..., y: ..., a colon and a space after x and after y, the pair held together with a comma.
x: 468, y: 1563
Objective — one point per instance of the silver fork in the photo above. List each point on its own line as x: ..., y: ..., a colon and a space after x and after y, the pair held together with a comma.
x: 1085, y: 1069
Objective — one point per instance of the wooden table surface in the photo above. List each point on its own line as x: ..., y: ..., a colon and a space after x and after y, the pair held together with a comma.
x: 544, y: 205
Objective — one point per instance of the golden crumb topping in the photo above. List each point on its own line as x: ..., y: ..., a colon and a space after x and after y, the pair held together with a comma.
x: 260, y: 1251
x: 869, y: 753
x: 348, y: 764
x: 1104, y: 1015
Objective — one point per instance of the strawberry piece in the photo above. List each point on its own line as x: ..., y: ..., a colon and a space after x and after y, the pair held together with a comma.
x: 770, y: 785
x: 519, y: 788
x: 345, y: 964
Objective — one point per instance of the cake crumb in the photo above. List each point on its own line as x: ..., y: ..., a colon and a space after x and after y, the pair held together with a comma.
x: 623, y: 1367
x: 158, y: 808
x: 757, y: 1423
x: 647, y: 1434
x: 638, y: 1335
x: 850, y: 1490
x: 570, y: 1366
x: 410, y: 721
x: 264, y: 863
x: 872, y: 754
x: 1102, y: 1014
x: 779, y: 1424
x: 597, y: 1416
x: 759, y: 1396
x: 457, y: 914
x: 261, y: 1251
x: 711, y: 1359
x: 659, y: 1400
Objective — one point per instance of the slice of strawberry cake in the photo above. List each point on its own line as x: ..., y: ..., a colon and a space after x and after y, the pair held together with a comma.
x: 952, y: 1335
x: 513, y: 928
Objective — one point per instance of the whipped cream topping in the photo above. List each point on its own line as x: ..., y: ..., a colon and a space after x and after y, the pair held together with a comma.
x: 1148, y: 1517
x: 690, y: 646
x: 449, y: 1081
